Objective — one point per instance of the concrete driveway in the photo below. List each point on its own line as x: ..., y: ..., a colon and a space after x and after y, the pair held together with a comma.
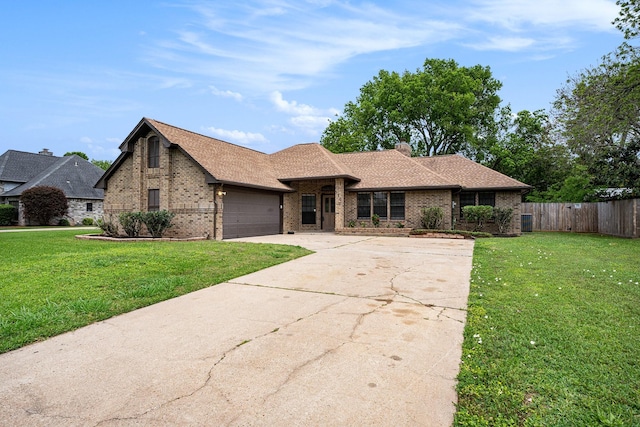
x: 366, y: 331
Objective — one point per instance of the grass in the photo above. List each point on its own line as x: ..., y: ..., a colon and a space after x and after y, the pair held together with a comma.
x: 553, y: 333
x: 51, y: 282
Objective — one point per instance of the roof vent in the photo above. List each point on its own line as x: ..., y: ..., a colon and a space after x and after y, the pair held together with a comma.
x: 404, y: 148
x: 46, y: 152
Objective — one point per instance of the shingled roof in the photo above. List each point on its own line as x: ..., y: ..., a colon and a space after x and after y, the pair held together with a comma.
x: 309, y: 161
x: 74, y: 175
x: 469, y: 174
x: 20, y: 167
x: 227, y: 163
x: 391, y: 170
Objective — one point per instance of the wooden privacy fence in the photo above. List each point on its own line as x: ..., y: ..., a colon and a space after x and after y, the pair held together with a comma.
x: 616, y: 218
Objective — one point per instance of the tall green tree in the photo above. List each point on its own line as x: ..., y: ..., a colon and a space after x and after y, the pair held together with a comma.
x: 441, y: 108
x: 102, y: 164
x: 598, y: 110
x: 77, y: 153
x: 523, y: 148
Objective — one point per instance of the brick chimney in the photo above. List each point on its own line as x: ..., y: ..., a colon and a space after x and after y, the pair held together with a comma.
x: 404, y: 148
x: 46, y: 152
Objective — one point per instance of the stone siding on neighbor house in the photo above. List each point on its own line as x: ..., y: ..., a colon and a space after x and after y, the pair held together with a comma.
x: 78, y: 210
x: 182, y: 187
x: 504, y: 199
x: 414, y: 201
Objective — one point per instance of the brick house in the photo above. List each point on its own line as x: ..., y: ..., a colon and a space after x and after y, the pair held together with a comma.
x: 75, y: 176
x: 221, y: 190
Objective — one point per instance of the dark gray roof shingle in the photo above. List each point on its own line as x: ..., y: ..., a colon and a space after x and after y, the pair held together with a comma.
x: 19, y: 166
x: 74, y: 175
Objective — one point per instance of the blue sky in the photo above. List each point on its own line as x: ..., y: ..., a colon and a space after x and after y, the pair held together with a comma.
x: 266, y: 74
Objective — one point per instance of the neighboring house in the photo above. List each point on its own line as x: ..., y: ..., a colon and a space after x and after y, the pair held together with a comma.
x: 221, y: 190
x: 75, y: 176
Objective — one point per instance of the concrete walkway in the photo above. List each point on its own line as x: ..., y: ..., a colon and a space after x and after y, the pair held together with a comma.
x: 366, y: 331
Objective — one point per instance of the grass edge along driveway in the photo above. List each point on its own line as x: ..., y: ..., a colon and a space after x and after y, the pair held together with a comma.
x: 553, y: 332
x: 51, y: 282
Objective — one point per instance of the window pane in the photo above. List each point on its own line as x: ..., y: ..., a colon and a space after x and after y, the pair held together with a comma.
x: 380, y: 204
x: 487, y: 198
x: 153, y: 148
x: 308, y: 208
x: 364, y: 205
x: 467, y: 199
x: 154, y: 200
x: 89, y: 207
x: 397, y: 205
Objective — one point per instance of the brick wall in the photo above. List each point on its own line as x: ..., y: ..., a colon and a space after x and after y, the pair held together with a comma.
x: 183, y: 191
x: 292, y: 204
x: 504, y: 199
x: 414, y: 201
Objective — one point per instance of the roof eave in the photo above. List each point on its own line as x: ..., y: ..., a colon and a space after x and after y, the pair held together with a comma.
x: 405, y: 188
x: 307, y: 178
x: 257, y: 187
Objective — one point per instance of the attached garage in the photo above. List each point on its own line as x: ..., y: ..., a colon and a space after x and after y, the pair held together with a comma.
x: 250, y: 213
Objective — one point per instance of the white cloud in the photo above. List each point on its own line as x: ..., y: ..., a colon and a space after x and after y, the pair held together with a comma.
x: 225, y: 93
x: 291, y: 107
x: 237, y: 136
x: 310, y: 119
x: 86, y: 140
x: 516, y: 14
x: 286, y: 45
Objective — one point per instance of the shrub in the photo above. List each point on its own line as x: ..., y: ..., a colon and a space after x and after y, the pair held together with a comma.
x: 432, y: 217
x: 503, y: 217
x: 87, y: 221
x: 375, y: 219
x: 477, y: 214
x: 108, y: 226
x: 131, y: 223
x: 351, y: 224
x: 64, y: 222
x: 157, y: 222
x: 43, y: 203
x: 6, y: 214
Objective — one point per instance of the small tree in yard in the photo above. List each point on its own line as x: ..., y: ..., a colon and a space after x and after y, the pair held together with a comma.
x: 157, y: 222
x: 432, y: 217
x: 43, y: 203
x: 478, y: 215
x: 503, y: 217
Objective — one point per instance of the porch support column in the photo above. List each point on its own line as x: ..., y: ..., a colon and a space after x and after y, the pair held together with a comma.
x: 218, y: 195
x: 340, y: 207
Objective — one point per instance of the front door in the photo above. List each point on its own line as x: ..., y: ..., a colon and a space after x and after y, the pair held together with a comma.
x: 328, y: 212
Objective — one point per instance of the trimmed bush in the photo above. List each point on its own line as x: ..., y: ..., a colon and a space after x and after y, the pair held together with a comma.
x: 478, y: 215
x: 87, y: 221
x: 131, y: 223
x: 64, y: 222
x: 157, y: 222
x: 6, y: 214
x: 43, y: 203
x: 503, y: 217
x: 432, y: 217
x: 108, y: 226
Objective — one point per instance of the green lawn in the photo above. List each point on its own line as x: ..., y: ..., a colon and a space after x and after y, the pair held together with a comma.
x: 553, y: 333
x: 51, y: 282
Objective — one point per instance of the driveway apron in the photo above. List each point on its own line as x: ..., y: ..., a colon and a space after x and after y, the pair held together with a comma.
x: 365, y: 331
